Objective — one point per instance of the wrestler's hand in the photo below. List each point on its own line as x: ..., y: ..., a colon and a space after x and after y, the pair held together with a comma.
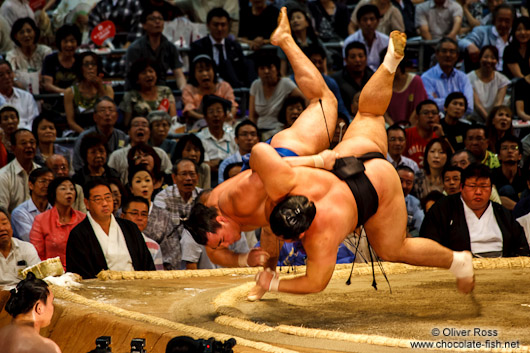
x: 264, y: 278
x: 257, y: 257
x: 329, y: 157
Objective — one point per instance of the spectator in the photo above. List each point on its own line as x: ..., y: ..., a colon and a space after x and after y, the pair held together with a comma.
x: 178, y: 198
x: 160, y: 226
x: 143, y: 154
x: 498, y: 124
x: 154, y: 45
x: 226, y: 53
x: 81, y: 98
x: 443, y: 78
x: 468, y: 221
x: 331, y: 19
x: 45, y: 133
x: 246, y: 137
x: 368, y: 17
x: 451, y: 178
x: 218, y: 144
x: 390, y: 18
x: 352, y: 78
x: 303, y: 34
x: 516, y: 56
x: 14, y: 187
x: 18, y: 98
x: 9, y: 120
x: 488, y: 8
x: 159, y: 124
x: 494, y: 35
x: 17, y: 254
x: 256, y: 23
x: 463, y: 158
x: 58, y: 71
x: 146, y: 96
x: 24, y: 214
x: 396, y: 147
x: 489, y: 85
x: 454, y: 129
x: 105, y: 118
x: 6, y: 44
x: 58, y: 164
x: 136, y: 210
x: 428, y: 127
x: 118, y: 194
x: 139, y: 132
x: 522, y: 98
x: 232, y: 170
x: 436, y: 158
x: 125, y: 14
x: 509, y: 177
x: 27, y: 57
x: 12, y: 10
x: 317, y: 55
x: 102, y: 242
x: 407, y: 92
x: 94, y: 152
x: 414, y: 212
x: 436, y: 19
x: 203, y: 81
x: 476, y: 142
x: 291, y: 109
x: 51, y: 228
x: 190, y: 146
x: 267, y: 93
x: 31, y: 306
x: 408, y: 11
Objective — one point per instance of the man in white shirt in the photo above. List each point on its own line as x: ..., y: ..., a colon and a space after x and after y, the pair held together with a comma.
x: 469, y: 221
x: 20, y: 99
x: 102, y: 242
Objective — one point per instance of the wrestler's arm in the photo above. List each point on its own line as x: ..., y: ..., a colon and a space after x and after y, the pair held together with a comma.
x: 324, y: 160
x: 227, y: 258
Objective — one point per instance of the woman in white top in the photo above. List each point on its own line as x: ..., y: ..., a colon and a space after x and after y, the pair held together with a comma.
x: 489, y: 85
x: 27, y: 57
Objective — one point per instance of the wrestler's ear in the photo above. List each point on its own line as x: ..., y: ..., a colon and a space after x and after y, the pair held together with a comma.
x: 301, y: 235
x: 220, y: 219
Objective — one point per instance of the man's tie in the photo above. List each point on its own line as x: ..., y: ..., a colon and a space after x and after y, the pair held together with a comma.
x: 221, y: 55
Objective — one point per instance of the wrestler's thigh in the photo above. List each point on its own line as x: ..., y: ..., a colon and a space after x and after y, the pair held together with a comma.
x: 365, y: 134
x: 310, y: 133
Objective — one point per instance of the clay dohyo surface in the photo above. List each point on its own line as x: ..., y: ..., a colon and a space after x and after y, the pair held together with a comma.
x: 420, y: 302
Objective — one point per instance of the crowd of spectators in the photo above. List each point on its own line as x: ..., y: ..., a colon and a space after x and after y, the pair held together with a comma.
x: 161, y: 117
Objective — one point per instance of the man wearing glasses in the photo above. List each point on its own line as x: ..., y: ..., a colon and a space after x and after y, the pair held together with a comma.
x: 469, y: 221
x: 102, y: 242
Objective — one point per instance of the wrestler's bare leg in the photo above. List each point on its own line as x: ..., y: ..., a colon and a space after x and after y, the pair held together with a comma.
x: 309, y: 134
x: 386, y: 229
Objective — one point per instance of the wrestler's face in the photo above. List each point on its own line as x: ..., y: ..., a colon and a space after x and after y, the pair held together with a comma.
x: 396, y: 142
x: 407, y: 181
x: 452, y: 182
x: 45, y: 310
x: 224, y: 236
x: 476, y: 193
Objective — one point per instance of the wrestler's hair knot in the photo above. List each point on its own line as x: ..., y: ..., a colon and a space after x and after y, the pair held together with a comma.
x: 24, y: 296
x: 292, y: 216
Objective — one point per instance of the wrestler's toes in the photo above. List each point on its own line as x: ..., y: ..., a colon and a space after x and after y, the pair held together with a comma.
x: 256, y: 293
x: 399, y: 40
x: 465, y: 285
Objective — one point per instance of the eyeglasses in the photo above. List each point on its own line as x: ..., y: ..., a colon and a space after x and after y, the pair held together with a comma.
x: 510, y: 148
x: 474, y: 187
x: 394, y: 139
x: 43, y: 181
x: 106, y: 110
x: 90, y: 64
x: 137, y: 214
x: 140, y: 125
x: 140, y: 155
x: 186, y: 174
x: 98, y: 200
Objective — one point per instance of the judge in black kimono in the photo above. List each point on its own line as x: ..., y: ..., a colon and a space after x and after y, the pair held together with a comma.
x: 102, y: 242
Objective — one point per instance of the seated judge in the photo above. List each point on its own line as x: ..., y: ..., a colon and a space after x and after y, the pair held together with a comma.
x: 102, y: 242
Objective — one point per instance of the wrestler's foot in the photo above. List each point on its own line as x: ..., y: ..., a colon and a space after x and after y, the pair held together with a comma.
x: 398, y: 41
x: 283, y: 30
x: 256, y: 293
x: 462, y: 268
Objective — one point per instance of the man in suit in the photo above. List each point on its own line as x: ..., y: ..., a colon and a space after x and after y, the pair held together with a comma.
x: 469, y: 221
x: 102, y: 242
x: 227, y: 53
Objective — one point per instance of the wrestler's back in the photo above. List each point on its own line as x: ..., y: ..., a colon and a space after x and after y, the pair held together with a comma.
x: 20, y: 339
x: 243, y: 199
